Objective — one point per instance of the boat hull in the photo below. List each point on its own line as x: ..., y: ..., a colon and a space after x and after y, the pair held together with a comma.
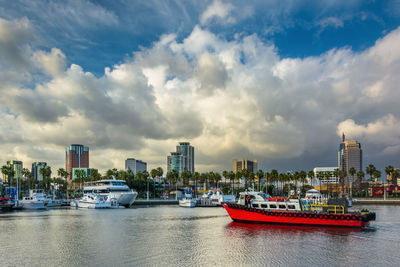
x: 33, y: 205
x: 241, y: 213
x: 89, y: 205
x: 187, y: 203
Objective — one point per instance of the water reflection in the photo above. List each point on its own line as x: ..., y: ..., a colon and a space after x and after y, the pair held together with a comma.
x: 256, y: 229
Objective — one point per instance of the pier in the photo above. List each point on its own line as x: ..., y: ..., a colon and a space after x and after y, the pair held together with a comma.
x: 372, y: 201
x: 140, y: 202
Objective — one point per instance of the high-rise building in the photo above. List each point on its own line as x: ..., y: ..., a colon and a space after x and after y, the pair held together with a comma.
x: 36, y: 167
x: 320, y: 178
x: 250, y: 165
x: 76, y: 156
x: 349, y: 156
x: 135, y: 165
x: 17, y: 167
x: 182, y: 159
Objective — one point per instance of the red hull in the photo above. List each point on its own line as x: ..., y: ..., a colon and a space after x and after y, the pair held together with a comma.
x: 251, y: 215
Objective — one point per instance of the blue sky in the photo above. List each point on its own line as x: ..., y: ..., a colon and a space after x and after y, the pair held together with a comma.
x: 273, y: 80
x: 296, y: 28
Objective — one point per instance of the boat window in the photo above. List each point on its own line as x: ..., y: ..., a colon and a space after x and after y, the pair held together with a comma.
x: 264, y: 206
x: 282, y: 206
x: 255, y: 205
x: 291, y: 207
x: 272, y: 206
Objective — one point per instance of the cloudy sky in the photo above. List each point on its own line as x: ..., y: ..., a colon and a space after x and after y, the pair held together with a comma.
x: 274, y: 80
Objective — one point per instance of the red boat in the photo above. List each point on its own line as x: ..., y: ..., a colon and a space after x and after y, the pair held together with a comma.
x: 256, y: 209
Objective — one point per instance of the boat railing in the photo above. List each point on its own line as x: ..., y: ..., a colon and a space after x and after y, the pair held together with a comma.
x: 336, y: 209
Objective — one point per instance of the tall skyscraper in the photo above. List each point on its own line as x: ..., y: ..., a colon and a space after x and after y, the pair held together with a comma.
x: 251, y: 166
x: 76, y: 156
x: 349, y: 156
x: 36, y: 167
x: 182, y: 159
x: 17, y: 166
x: 135, y: 165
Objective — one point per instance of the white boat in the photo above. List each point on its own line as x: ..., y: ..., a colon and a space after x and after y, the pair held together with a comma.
x: 92, y: 201
x: 113, y: 189
x: 35, y: 201
x: 217, y: 197
x: 187, y: 200
x: 51, y: 202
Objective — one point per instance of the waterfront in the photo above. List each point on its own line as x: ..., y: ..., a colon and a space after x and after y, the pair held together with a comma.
x: 169, y: 235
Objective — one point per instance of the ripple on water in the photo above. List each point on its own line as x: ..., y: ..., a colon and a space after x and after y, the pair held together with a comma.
x: 168, y: 235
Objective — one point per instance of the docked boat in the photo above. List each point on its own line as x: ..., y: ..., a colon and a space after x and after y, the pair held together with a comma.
x: 187, y: 200
x: 35, y: 201
x: 216, y: 197
x: 92, y: 201
x: 255, y: 208
x: 52, y: 202
x: 6, y: 204
x: 113, y: 189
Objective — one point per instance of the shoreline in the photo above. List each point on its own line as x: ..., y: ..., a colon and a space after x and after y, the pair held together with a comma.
x: 377, y: 202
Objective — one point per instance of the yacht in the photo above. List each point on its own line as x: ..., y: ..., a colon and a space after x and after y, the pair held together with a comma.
x: 92, y: 201
x: 217, y: 197
x: 187, y: 200
x: 112, y: 189
x: 35, y: 201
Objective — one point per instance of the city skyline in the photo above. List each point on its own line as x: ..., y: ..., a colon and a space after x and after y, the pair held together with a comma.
x: 276, y: 81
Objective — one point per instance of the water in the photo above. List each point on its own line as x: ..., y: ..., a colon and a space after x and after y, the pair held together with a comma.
x: 172, y: 236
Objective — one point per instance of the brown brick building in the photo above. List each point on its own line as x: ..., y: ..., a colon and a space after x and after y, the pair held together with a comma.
x: 76, y: 156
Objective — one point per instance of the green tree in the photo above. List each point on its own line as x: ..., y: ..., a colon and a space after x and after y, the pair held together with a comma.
x: 260, y: 175
x: 370, y: 170
x: 389, y: 171
x: 95, y: 175
x: 186, y: 175
x: 245, y: 174
x: 8, y: 173
x: 360, y: 176
x: 173, y: 178
x: 196, y: 178
x: 377, y: 174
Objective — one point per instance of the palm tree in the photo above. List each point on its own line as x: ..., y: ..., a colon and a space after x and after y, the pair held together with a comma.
x: 360, y: 176
x: 95, y: 175
x: 8, y: 173
x: 377, y: 174
x: 274, y: 176
x: 173, y: 177
x: 251, y: 178
x: 370, y: 170
x: 231, y: 176
x: 186, y: 175
x: 80, y: 176
x: 260, y: 175
x: 196, y: 178
x: 389, y: 171
x: 217, y: 178
x: 160, y: 173
x: 328, y: 176
x: 203, y: 178
x: 320, y: 177
x: 245, y: 175
x: 238, y: 175
x: 352, y: 172
x: 303, y: 178
x: 311, y: 175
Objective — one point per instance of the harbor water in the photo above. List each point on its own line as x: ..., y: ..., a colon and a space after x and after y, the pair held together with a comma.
x: 174, y: 236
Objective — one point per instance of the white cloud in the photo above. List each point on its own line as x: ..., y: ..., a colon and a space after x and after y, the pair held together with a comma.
x: 218, y: 10
x: 231, y: 99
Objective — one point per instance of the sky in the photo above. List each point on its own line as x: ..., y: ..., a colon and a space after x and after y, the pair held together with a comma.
x: 275, y: 80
